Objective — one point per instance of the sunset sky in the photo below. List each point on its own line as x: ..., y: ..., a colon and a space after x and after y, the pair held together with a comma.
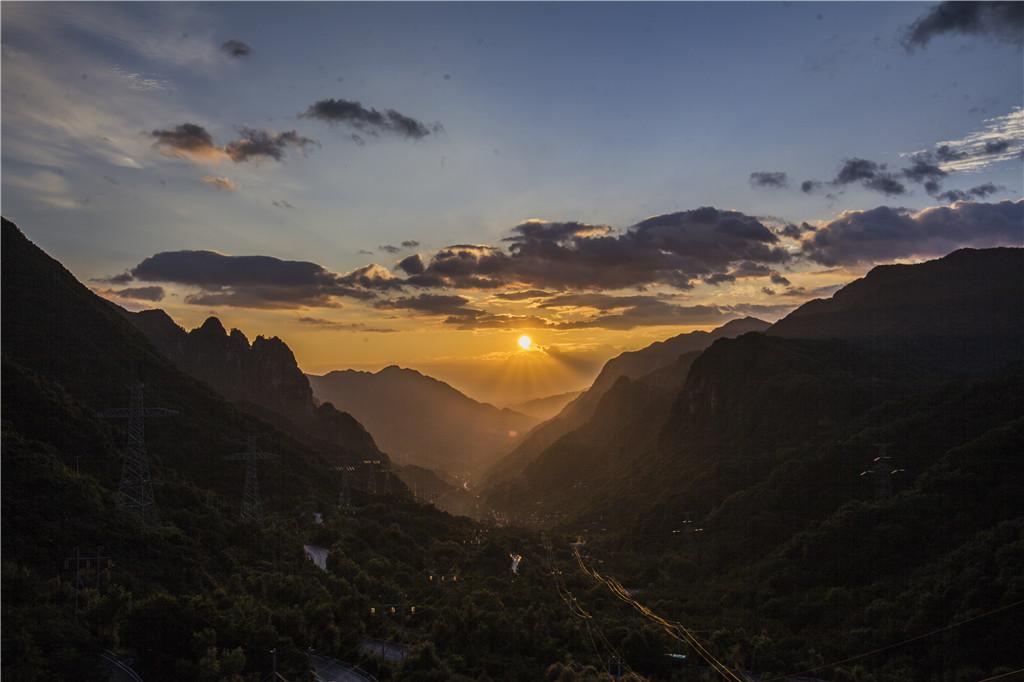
x: 423, y: 184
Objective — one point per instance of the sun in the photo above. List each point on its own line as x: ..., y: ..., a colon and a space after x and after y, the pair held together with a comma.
x: 525, y: 342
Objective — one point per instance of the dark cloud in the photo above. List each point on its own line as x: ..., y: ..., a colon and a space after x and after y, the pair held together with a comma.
x: 945, y: 153
x: 672, y: 249
x: 794, y: 231
x: 260, y: 144
x: 523, y: 295
x: 187, y: 140
x: 883, y: 234
x: 152, y: 293
x: 410, y: 244
x: 810, y: 186
x: 236, y: 48
x: 1003, y: 21
x: 856, y: 170
x: 389, y: 248
x: 996, y: 146
x: 767, y: 291
x: 368, y: 120
x: 886, y: 184
x: 750, y: 269
x: 430, y: 304
x: 719, y: 278
x: 979, y: 192
x: 652, y: 313
x: 193, y: 142
x: 282, y: 204
x: 258, y: 281
x: 343, y: 326
x: 478, y: 319
x: 870, y: 175
x: 923, y: 168
x: 412, y: 265
x: 780, y: 279
x: 772, y: 179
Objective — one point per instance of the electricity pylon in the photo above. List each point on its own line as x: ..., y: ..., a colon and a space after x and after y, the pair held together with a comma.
x: 883, y: 472
x: 252, y: 511
x: 135, y: 494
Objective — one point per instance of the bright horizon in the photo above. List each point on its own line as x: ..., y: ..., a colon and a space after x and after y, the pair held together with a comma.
x: 422, y: 185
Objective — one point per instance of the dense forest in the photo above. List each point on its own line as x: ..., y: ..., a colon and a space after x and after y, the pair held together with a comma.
x: 749, y: 525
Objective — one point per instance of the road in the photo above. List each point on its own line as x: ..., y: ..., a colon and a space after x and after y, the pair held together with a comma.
x: 332, y: 670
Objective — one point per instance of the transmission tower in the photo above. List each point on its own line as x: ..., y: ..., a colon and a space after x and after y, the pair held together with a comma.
x: 251, y: 509
x: 883, y: 472
x: 135, y: 494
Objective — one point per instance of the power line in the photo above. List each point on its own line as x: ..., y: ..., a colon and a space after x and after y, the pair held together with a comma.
x: 900, y: 643
x: 252, y: 509
x: 1004, y: 675
x: 672, y: 629
x: 135, y: 493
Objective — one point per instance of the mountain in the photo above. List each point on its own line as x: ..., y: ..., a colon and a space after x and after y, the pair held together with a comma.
x: 546, y: 407
x: 262, y: 377
x: 445, y: 493
x: 630, y: 365
x: 969, y: 293
x: 196, y: 594
x: 750, y: 486
x: 895, y: 334
x: 420, y: 420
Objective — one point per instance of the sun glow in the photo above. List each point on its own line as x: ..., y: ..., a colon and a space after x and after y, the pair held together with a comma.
x: 525, y: 342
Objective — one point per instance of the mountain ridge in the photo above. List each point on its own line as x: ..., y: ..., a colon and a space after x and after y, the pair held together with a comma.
x: 422, y: 420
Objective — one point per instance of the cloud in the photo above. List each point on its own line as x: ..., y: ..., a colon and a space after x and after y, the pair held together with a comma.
x: 1003, y: 21
x: 188, y: 141
x: 410, y: 244
x: 478, y: 319
x: 430, y: 304
x: 672, y: 249
x: 652, y: 313
x: 338, y: 325
x: 236, y: 48
x: 922, y: 169
x: 281, y: 203
x: 523, y: 295
x: 719, y: 278
x: 996, y: 146
x: 257, y: 281
x: 870, y: 175
x: 772, y: 179
x: 260, y: 144
x: 979, y: 192
x: 1000, y: 139
x: 194, y: 143
x: 778, y: 278
x: 412, y: 265
x: 810, y: 186
x: 151, y: 293
x: 221, y: 183
x: 139, y: 82
x: 368, y: 120
x: 389, y: 248
x: 884, y: 234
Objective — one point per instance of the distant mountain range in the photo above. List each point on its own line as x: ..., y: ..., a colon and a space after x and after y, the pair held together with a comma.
x: 262, y: 376
x: 629, y: 365
x: 680, y: 440
x: 546, y: 407
x: 420, y: 420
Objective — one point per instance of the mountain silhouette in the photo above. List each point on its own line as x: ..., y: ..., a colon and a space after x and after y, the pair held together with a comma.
x: 262, y: 376
x: 420, y: 420
x: 630, y: 365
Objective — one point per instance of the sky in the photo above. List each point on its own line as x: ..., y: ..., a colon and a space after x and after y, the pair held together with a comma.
x: 421, y: 184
